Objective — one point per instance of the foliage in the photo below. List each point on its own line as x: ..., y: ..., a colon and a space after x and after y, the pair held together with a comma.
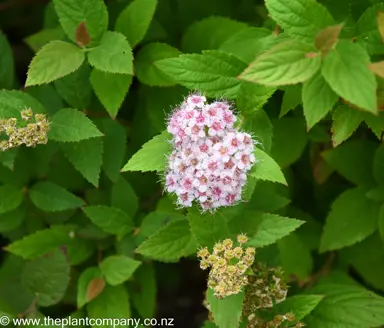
x: 87, y: 88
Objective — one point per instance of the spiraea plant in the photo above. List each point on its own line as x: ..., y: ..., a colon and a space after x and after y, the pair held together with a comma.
x: 214, y: 162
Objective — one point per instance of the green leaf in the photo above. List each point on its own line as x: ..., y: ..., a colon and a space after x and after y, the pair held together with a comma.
x: 169, y: 243
x: 118, y: 268
x: 6, y: 63
x: 72, y: 12
x: 378, y: 165
x: 40, y: 39
x: 135, y: 19
x: 112, y: 55
x: 69, y: 124
x: 152, y: 155
x: 226, y: 311
x: 213, y: 72
x: 41, y: 242
x: 51, y: 197
x: 123, y: 196
x: 8, y: 157
x: 12, y: 103
x: 266, y: 168
x: 349, y: 62
x: 10, y: 198
x: 271, y: 228
x: 299, y: 305
x: 75, y: 88
x: 53, y: 61
x: 47, y: 277
x: 302, y: 19
x: 89, y: 285
x: 289, y: 62
x: 352, y: 213
x: 11, y: 220
x: 111, y: 220
x: 252, y: 97
x: 318, y: 99
x: 86, y: 157
x: 111, y: 89
x: 345, y: 121
x: 353, y: 160
x: 209, y: 33
x: 346, y: 306
x: 327, y: 38
x: 291, y: 99
x: 113, y: 302
x: 146, y: 71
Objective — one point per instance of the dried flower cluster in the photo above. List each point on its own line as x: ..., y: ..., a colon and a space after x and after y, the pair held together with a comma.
x: 228, y: 266
x: 210, y: 157
x: 31, y: 135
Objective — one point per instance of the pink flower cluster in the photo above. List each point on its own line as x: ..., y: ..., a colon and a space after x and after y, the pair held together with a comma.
x: 210, y: 157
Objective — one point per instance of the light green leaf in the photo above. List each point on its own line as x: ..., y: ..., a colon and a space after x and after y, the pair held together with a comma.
x: 111, y: 89
x: 349, y: 62
x: 352, y: 213
x: 118, y: 268
x: 345, y: 121
x: 213, y: 72
x: 41, y: 242
x: 302, y: 19
x: 226, y: 311
x: 111, y: 220
x: 73, y: 12
x: 299, y: 305
x: 86, y: 157
x: 47, y: 277
x: 318, y: 99
x: 6, y: 63
x: 135, y: 20
x: 169, y: 243
x: 291, y: 99
x: 10, y: 198
x: 53, y: 61
x: 152, y: 155
x: 146, y: 71
x: 266, y: 168
x: 40, y: 39
x: 123, y: 196
x: 252, y: 97
x: 113, y: 302
x: 69, y: 124
x: 112, y: 55
x: 271, y: 228
x: 327, y: 38
x: 289, y: 62
x: 89, y: 285
x: 51, y: 197
x: 353, y: 160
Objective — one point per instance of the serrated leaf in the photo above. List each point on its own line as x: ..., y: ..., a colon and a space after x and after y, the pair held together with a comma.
x: 111, y: 89
x: 123, y: 196
x: 51, y: 197
x: 289, y: 62
x: 118, y: 268
x: 146, y: 71
x: 152, y: 155
x: 252, y: 97
x: 72, y: 12
x: 82, y: 36
x: 135, y: 20
x: 345, y: 121
x: 111, y: 220
x: 86, y: 157
x: 169, y: 243
x: 6, y: 63
x: 13, y: 102
x: 318, y: 99
x: 213, y: 72
x: 112, y: 55
x: 11, y: 220
x: 113, y: 302
x: 209, y: 33
x: 69, y: 124
x: 10, y: 198
x: 353, y: 160
x: 40, y: 39
x: 89, y: 285
x: 302, y: 19
x: 271, y: 228
x: 75, y: 88
x: 348, y: 62
x: 48, y: 277
x: 157, y: 220
x: 327, y: 38
x: 353, y: 214
x: 266, y: 168
x: 80, y: 250
x: 53, y: 61
x: 226, y: 311
x: 291, y: 99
